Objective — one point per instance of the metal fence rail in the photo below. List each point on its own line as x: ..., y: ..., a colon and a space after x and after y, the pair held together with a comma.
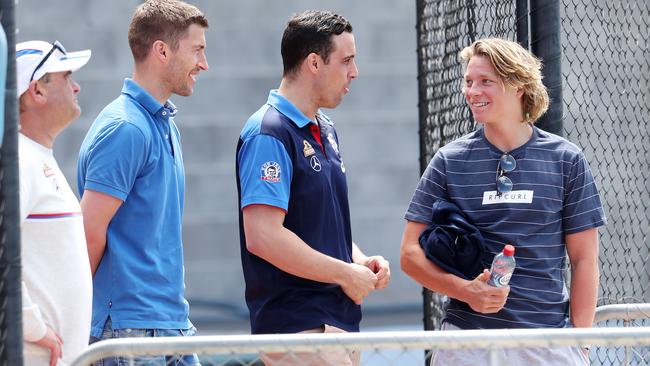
x: 391, y: 348
x: 624, y: 312
x: 417, y: 340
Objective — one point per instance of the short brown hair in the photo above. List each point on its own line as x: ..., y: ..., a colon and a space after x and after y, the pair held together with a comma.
x: 307, y: 32
x: 516, y: 67
x: 165, y: 20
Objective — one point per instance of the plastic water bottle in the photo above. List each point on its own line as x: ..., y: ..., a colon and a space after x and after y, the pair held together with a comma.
x: 502, y: 267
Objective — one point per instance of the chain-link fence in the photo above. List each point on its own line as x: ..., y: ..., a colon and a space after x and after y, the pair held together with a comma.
x: 386, y: 348
x: 444, y: 28
x: 606, y: 70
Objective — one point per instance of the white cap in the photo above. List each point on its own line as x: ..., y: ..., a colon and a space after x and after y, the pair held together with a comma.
x: 29, y: 55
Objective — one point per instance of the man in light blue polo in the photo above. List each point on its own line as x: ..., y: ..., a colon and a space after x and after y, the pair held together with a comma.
x: 131, y: 177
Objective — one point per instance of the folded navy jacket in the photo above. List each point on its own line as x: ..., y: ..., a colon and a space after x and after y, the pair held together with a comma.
x: 452, y: 242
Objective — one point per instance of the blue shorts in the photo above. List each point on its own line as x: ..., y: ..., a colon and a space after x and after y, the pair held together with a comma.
x: 172, y: 360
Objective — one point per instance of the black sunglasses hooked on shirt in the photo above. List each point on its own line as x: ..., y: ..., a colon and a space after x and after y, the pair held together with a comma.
x: 506, y: 164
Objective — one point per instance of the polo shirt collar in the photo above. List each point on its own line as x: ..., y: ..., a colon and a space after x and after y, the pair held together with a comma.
x: 284, y: 106
x: 150, y: 103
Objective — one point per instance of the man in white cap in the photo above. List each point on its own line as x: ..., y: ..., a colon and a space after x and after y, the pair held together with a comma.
x: 56, y: 279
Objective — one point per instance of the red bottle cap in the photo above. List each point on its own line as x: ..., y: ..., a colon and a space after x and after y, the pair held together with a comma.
x: 509, y: 250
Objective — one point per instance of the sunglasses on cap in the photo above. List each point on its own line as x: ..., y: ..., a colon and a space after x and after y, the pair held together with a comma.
x: 56, y: 45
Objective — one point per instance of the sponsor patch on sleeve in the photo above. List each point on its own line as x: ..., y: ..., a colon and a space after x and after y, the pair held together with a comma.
x: 271, y: 172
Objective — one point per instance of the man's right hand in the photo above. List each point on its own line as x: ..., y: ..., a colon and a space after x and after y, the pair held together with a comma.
x: 53, y: 342
x: 484, y: 298
x: 357, y: 282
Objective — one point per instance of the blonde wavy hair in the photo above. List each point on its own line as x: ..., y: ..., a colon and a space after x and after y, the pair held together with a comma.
x: 517, y: 68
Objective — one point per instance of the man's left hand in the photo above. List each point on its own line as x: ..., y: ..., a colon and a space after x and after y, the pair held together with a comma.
x: 381, y: 268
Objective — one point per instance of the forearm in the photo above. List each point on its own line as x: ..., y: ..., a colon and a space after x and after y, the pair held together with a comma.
x: 34, y: 326
x: 286, y: 251
x: 417, y: 266
x: 415, y: 263
x: 582, y: 248
x: 96, y: 247
x: 267, y: 238
x: 584, y: 292
x: 98, y: 210
x: 95, y: 241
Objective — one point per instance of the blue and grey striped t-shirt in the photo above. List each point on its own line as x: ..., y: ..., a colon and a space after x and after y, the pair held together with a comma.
x: 553, y: 195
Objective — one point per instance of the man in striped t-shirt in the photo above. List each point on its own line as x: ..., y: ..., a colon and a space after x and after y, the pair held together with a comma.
x: 518, y: 185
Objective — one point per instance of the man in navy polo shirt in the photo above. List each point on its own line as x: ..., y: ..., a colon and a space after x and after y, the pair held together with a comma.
x: 131, y: 177
x: 303, y: 272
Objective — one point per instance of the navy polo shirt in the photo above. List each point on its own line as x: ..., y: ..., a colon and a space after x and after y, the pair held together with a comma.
x: 281, y: 163
x: 133, y: 153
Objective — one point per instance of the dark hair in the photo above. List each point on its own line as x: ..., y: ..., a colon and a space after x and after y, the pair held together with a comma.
x: 307, y: 32
x: 165, y: 20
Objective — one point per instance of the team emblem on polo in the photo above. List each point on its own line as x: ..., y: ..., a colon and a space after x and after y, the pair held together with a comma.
x: 307, y: 149
x: 332, y: 141
x: 271, y: 172
x: 315, y: 163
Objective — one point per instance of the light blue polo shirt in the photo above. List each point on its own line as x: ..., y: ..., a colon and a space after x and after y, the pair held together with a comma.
x: 133, y: 152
